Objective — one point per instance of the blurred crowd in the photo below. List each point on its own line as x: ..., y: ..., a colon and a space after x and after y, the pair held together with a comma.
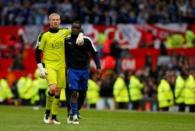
x: 107, y: 12
x: 166, y: 88
x: 169, y: 85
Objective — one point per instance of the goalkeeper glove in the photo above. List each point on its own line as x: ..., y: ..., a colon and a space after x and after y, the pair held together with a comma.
x: 80, y: 39
x: 42, y: 70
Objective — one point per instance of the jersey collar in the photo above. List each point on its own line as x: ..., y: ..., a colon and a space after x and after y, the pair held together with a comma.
x: 53, y: 30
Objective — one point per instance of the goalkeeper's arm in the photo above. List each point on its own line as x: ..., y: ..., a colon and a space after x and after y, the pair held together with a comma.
x: 40, y: 66
x: 38, y: 55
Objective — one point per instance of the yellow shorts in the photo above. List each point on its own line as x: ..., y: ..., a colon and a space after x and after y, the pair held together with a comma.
x: 56, y: 75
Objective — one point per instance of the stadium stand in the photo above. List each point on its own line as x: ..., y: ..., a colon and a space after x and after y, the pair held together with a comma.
x: 105, y: 12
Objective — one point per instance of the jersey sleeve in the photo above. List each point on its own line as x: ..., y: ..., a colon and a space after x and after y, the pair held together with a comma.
x: 93, y: 51
x: 41, y: 41
x: 66, y: 31
x: 91, y: 47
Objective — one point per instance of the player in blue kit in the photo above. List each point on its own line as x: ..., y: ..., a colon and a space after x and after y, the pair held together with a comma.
x: 77, y: 62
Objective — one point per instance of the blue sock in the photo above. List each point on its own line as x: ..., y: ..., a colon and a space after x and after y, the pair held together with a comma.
x: 74, y: 107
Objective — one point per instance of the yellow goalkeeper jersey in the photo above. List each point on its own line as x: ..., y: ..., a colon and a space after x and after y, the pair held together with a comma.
x: 52, y: 45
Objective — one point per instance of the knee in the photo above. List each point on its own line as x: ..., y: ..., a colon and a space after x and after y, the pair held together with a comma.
x: 57, y: 91
x: 53, y: 89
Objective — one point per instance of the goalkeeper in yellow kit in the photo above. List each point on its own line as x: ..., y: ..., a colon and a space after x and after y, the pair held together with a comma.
x: 51, y: 44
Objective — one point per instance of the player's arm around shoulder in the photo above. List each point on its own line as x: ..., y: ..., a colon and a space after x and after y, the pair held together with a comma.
x: 80, y: 38
x: 66, y: 31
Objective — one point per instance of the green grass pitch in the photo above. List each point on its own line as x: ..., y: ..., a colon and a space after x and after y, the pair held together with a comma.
x: 26, y: 119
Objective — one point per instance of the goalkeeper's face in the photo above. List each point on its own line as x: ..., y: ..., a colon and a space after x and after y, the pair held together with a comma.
x: 54, y: 21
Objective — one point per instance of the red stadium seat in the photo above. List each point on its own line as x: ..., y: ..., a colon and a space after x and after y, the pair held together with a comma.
x: 5, y: 64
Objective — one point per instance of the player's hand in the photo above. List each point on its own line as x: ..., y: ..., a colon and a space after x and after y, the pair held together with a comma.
x: 80, y: 39
x: 42, y: 71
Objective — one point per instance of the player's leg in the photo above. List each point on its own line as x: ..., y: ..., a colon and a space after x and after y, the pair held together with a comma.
x: 50, y: 95
x: 57, y: 89
x: 55, y: 104
x: 73, y: 78
x: 49, y: 100
x: 68, y: 106
x: 68, y: 99
x: 83, y: 86
x: 81, y: 99
x: 74, y: 106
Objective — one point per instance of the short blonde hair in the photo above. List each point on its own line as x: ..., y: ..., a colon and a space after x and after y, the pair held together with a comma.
x: 53, y: 14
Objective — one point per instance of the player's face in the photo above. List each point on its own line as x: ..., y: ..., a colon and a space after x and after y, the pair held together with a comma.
x: 54, y: 21
x: 76, y: 28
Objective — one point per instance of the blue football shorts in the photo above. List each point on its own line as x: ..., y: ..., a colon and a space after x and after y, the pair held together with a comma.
x: 77, y: 79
